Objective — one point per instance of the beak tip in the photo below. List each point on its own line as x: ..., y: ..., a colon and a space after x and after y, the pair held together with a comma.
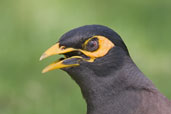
x: 43, y: 71
x: 42, y: 57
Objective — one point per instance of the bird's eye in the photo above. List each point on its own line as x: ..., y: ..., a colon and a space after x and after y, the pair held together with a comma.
x: 92, y: 45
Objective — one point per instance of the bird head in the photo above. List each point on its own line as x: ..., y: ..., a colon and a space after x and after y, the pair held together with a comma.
x: 90, y: 48
x: 96, y: 57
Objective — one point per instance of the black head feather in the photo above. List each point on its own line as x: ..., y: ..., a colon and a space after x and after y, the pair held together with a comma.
x: 101, y: 66
x: 113, y: 84
x: 78, y: 36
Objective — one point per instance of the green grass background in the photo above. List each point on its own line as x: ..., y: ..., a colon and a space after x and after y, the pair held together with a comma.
x: 29, y: 27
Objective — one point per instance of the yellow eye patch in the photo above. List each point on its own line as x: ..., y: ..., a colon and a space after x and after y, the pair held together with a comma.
x: 104, y: 46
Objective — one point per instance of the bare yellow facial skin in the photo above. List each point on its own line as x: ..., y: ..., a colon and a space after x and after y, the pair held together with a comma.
x: 104, y: 46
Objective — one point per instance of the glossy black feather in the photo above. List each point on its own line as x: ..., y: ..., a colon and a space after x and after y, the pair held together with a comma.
x: 113, y: 84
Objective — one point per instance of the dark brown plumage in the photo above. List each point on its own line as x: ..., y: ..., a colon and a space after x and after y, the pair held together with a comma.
x: 110, y: 81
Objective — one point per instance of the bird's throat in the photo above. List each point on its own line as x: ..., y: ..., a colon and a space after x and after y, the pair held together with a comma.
x: 110, y: 92
x: 98, y: 92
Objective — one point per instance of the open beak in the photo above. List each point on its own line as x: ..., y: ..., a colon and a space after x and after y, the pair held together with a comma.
x: 73, y: 56
x: 63, y: 62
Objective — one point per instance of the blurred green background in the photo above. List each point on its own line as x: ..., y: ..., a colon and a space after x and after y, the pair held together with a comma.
x: 29, y: 27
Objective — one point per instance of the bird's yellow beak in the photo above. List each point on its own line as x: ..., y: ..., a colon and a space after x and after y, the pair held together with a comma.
x: 63, y: 63
x: 74, y: 60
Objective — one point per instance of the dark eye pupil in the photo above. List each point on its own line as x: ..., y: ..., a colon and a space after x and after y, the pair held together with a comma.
x: 92, y: 45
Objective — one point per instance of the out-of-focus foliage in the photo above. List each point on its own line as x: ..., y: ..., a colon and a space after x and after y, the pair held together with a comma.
x: 29, y: 27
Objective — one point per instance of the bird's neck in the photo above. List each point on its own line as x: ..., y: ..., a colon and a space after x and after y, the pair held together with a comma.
x: 105, y: 97
x: 104, y: 94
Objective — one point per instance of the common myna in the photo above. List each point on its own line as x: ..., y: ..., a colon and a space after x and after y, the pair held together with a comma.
x: 98, y: 60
